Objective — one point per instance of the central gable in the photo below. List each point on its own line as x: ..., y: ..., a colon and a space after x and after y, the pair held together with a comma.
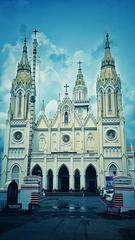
x: 42, y: 122
x: 90, y: 121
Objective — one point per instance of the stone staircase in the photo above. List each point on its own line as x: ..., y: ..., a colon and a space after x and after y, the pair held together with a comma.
x: 75, y: 194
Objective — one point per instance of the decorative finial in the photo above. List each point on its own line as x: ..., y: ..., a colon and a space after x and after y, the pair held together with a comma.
x: 79, y: 63
x: 107, y: 36
x: 107, y: 43
x: 25, y: 40
x: 25, y: 45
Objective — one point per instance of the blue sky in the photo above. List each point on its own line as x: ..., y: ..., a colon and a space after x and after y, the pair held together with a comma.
x: 70, y: 30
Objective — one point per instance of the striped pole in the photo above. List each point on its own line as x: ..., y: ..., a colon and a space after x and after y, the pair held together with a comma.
x: 32, y: 101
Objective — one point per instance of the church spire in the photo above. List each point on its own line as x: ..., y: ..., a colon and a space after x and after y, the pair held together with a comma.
x: 108, y: 60
x: 23, y: 75
x: 108, y: 86
x: 79, y: 79
x: 80, y: 89
x: 24, y: 63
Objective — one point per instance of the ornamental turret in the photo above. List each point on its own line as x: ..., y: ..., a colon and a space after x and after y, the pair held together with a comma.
x: 80, y: 97
x: 80, y: 89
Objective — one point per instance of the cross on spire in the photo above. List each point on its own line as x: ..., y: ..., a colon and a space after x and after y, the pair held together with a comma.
x: 35, y: 31
x: 66, y: 86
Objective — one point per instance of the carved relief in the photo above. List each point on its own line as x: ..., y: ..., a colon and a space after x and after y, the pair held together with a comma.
x: 42, y: 143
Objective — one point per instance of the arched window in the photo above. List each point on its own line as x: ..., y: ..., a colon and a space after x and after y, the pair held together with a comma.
x: 117, y: 104
x: 19, y: 102
x: 79, y: 96
x: 27, y: 104
x: 109, y: 100
x: 112, y: 170
x: 101, y: 101
x: 15, y: 174
x: 66, y: 117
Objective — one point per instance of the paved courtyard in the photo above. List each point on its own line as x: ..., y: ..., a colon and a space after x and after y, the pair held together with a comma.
x: 63, y: 218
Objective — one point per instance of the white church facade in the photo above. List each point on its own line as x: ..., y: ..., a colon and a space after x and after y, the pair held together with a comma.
x: 74, y: 150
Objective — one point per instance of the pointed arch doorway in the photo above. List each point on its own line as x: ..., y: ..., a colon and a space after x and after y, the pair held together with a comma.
x: 91, y: 179
x: 63, y: 179
x: 50, y: 180
x: 37, y: 171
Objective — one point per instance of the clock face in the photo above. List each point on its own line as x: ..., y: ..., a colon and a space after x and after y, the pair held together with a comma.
x: 66, y: 138
x: 111, y: 134
x: 18, y: 135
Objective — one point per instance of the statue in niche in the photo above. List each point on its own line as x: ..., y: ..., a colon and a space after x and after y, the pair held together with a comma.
x: 42, y: 143
x: 89, y: 141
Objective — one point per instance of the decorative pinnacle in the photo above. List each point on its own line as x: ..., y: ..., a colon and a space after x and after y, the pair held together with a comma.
x: 107, y: 43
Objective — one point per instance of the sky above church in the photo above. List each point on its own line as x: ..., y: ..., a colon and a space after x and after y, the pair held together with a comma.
x: 69, y: 31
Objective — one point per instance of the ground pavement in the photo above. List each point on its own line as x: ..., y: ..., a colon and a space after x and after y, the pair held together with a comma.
x: 66, y: 218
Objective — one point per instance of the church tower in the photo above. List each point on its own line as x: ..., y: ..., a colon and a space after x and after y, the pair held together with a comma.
x: 110, y: 117
x: 16, y: 147
x: 80, y: 97
x: 20, y: 91
x: 109, y: 87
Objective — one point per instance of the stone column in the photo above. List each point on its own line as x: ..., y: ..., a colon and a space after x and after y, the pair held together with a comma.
x: 71, y: 177
x: 44, y: 181
x: 101, y: 178
x: 82, y: 176
x: 55, y: 175
x: 82, y: 181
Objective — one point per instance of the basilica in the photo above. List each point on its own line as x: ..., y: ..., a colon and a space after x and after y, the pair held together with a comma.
x: 75, y: 149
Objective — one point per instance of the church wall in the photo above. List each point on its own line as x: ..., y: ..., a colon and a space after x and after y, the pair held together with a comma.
x: 91, y: 141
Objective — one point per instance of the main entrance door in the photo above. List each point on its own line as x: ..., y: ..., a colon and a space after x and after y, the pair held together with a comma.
x: 63, y: 179
x: 91, y: 179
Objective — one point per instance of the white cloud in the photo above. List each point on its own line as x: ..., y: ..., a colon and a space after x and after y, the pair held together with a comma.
x: 51, y: 108
x: 3, y: 116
